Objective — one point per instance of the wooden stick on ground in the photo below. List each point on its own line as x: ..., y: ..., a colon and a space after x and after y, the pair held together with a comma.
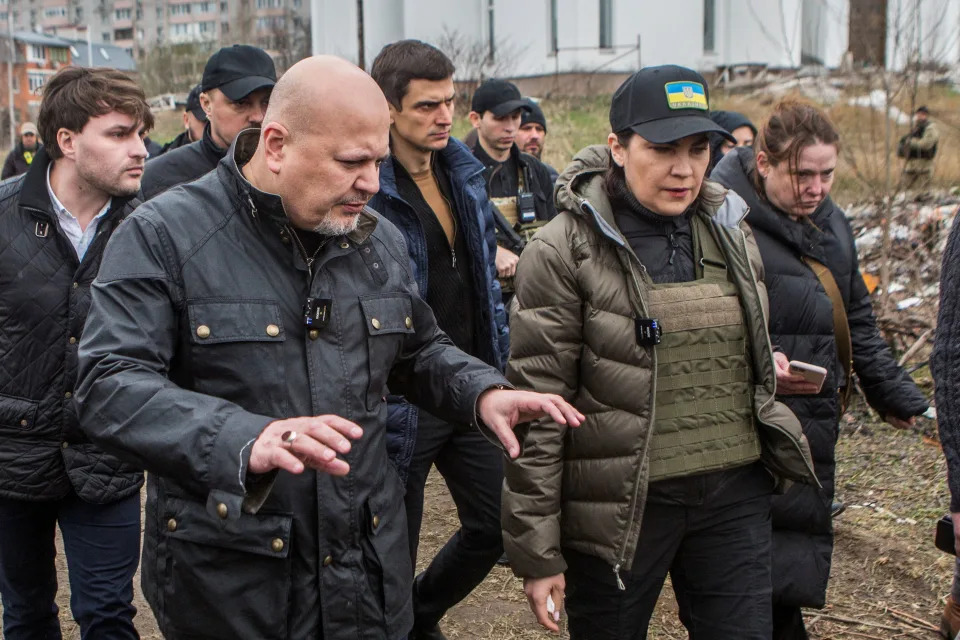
x: 922, y: 340
x: 914, y: 619
x: 865, y: 623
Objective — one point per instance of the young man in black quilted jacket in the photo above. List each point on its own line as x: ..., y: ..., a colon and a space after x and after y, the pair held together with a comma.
x: 55, y: 221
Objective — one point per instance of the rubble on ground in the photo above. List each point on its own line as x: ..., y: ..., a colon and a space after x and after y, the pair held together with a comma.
x: 918, y: 235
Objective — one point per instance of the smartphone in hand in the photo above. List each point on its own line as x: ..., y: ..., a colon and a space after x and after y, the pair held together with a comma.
x: 810, y: 372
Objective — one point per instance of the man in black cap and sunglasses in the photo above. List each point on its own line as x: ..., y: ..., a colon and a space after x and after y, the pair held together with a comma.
x: 234, y: 94
x: 518, y: 184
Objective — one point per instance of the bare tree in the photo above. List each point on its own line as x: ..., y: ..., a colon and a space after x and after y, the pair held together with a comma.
x: 473, y: 59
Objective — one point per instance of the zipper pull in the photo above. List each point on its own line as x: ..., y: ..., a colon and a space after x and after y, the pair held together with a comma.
x: 616, y: 572
x: 253, y: 207
x: 453, y: 256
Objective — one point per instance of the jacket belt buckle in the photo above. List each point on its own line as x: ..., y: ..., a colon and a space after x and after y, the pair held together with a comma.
x: 42, y: 230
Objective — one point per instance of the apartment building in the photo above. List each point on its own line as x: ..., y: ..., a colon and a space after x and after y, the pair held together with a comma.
x: 138, y: 25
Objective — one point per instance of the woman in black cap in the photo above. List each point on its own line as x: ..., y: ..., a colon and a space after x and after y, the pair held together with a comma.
x: 643, y: 304
x: 820, y: 314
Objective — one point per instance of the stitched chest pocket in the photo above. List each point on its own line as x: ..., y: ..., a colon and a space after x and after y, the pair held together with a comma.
x: 236, y: 346
x: 388, y: 318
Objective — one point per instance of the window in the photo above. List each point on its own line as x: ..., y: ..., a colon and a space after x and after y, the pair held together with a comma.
x: 55, y: 12
x: 709, y: 26
x: 269, y: 4
x: 36, y: 81
x: 159, y: 33
x: 3, y: 16
x: 203, y: 7
x: 271, y: 22
x: 105, y: 36
x: 554, y: 36
x: 297, y: 4
x: 223, y: 7
x: 59, y: 54
x: 140, y: 34
x: 606, y: 24
x: 159, y: 12
x: 139, y: 13
x: 123, y: 14
x: 180, y: 9
x: 224, y: 28
x: 36, y: 53
x: 16, y: 83
x: 123, y: 34
x: 491, y: 34
x: 208, y: 28
x: 79, y: 14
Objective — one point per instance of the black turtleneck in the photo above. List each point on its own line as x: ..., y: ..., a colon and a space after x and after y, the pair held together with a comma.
x: 664, y: 244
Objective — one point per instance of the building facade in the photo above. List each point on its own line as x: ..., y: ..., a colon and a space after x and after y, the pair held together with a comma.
x: 591, y: 36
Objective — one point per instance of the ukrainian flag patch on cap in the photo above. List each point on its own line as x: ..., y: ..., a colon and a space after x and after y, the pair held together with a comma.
x: 686, y: 95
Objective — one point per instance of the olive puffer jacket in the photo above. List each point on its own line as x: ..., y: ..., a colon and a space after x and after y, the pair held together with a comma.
x: 579, y: 289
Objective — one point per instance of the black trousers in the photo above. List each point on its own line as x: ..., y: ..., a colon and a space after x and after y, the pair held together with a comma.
x: 711, y: 532
x: 473, y: 470
x: 102, y: 546
x: 788, y: 623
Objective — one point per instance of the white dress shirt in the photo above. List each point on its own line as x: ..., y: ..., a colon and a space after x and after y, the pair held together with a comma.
x: 79, y: 238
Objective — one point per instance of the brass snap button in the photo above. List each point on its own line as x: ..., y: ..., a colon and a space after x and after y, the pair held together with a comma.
x: 64, y: 445
x: 73, y: 340
x: 273, y: 330
x: 376, y: 521
x: 314, y: 334
x: 222, y: 510
x: 375, y: 323
x: 68, y: 395
x: 171, y: 525
x: 203, y: 331
x: 408, y: 321
x: 344, y: 245
x: 328, y: 561
x: 277, y: 545
x: 24, y: 422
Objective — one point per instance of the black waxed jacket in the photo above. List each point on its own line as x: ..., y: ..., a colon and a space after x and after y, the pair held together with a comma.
x: 197, y: 341
x: 44, y: 299
x: 801, y: 324
x: 181, y: 165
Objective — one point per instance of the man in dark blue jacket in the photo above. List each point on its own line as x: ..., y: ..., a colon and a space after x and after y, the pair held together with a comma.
x: 434, y: 190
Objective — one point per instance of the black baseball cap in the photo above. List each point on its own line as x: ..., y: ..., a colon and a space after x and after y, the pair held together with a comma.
x: 533, y: 113
x: 663, y: 104
x: 193, y: 104
x: 498, y: 96
x: 923, y: 109
x: 238, y: 71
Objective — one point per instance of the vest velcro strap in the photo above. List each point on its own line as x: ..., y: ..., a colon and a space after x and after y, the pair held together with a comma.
x: 708, y: 378
x: 712, y: 405
x: 702, y: 351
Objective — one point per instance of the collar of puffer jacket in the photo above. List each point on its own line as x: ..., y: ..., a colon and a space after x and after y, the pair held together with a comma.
x: 579, y: 190
x: 270, y: 205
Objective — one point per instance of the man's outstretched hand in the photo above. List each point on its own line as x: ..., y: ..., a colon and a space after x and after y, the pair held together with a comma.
x: 502, y: 409
x: 312, y: 442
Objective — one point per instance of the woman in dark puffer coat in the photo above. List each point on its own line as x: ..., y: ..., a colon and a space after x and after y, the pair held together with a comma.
x: 786, y: 180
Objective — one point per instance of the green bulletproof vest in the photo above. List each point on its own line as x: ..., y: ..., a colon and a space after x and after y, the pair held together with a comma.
x: 704, y: 401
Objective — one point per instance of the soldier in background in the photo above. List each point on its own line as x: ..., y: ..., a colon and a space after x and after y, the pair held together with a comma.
x: 519, y: 185
x: 533, y: 133
x: 919, y: 147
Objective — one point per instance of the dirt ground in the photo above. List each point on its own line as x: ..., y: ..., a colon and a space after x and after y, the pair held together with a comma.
x: 888, y: 580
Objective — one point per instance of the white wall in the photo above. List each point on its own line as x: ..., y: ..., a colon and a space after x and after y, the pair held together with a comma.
x: 671, y: 31
x: 932, y: 26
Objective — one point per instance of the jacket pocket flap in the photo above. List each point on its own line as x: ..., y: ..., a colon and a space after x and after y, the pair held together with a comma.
x: 216, y: 321
x: 387, y: 313
x: 264, y: 534
x: 18, y: 413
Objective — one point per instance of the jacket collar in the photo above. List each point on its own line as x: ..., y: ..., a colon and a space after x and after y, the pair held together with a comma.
x: 209, y: 147
x: 35, y: 197
x: 460, y: 163
x: 269, y: 206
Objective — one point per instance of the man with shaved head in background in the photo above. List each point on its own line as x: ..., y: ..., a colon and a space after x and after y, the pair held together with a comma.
x: 244, y: 329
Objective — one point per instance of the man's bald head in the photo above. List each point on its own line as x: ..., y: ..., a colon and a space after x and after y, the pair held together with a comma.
x: 324, y: 136
x: 320, y: 88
